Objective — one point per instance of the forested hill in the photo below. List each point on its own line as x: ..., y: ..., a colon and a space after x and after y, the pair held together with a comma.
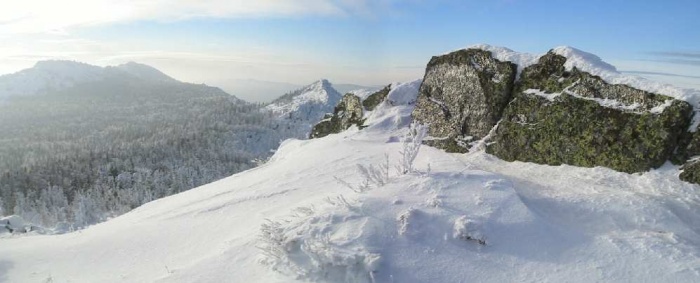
x: 111, y: 139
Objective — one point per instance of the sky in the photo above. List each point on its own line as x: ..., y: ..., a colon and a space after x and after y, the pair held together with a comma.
x: 366, y: 42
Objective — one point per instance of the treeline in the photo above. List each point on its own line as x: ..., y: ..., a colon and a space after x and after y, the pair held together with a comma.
x: 79, y: 156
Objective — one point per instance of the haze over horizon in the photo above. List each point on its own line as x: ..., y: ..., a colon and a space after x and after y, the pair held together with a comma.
x: 361, y: 42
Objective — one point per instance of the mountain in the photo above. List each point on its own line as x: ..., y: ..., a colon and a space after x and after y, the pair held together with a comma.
x: 299, y: 110
x: 143, y: 72
x: 333, y: 209
x: 352, y: 88
x: 56, y: 75
x: 48, y: 76
x: 81, y: 144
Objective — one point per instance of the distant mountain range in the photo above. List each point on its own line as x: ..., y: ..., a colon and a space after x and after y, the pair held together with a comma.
x: 267, y: 91
x: 51, y: 76
x: 55, y: 75
x: 113, y: 138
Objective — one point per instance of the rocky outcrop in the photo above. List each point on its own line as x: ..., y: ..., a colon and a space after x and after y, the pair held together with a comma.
x: 687, y: 155
x: 348, y: 112
x: 376, y: 98
x: 572, y: 117
x: 550, y: 115
x: 463, y: 96
x: 691, y: 172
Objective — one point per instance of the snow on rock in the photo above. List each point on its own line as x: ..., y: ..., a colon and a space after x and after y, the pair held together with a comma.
x: 584, y: 61
x: 320, y: 92
x: 15, y: 224
x: 608, y: 103
x: 363, y: 93
x: 395, y: 111
x: 590, y: 63
x: 523, y: 60
x: 305, y: 107
x: 594, y: 65
x: 404, y: 93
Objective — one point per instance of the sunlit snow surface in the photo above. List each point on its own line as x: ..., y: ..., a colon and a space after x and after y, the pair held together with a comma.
x: 470, y: 218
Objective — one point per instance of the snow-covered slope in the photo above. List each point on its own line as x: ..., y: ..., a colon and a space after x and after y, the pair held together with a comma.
x: 301, y: 109
x: 56, y: 75
x: 460, y: 218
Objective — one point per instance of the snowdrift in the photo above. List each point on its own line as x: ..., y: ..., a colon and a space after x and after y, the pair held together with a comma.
x: 455, y: 218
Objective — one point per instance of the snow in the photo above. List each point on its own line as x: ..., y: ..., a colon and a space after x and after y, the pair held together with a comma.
x: 584, y: 61
x: 320, y: 92
x: 661, y: 107
x: 302, y: 109
x: 48, y: 75
x: 461, y: 218
x: 404, y: 93
x: 143, y: 71
x: 594, y: 65
x: 363, y: 93
x: 523, y: 60
x: 605, y: 102
x: 548, y: 96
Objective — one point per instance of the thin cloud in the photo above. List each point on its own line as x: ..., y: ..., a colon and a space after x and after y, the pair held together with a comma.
x: 660, y: 74
x: 687, y: 55
x: 40, y: 16
x: 684, y: 58
x: 677, y: 61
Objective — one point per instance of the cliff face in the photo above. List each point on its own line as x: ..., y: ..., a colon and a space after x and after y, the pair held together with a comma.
x: 463, y: 96
x: 551, y: 114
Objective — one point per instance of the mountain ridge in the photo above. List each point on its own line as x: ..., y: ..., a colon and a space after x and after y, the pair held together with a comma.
x: 56, y: 75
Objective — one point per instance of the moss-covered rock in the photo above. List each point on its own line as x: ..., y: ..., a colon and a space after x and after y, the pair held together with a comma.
x: 376, y: 98
x: 691, y: 172
x: 463, y: 96
x: 550, y: 76
x: 689, y: 148
x: 572, y: 117
x: 348, y: 112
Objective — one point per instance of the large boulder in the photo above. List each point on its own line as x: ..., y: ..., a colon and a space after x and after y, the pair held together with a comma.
x: 348, y: 112
x: 463, y: 96
x: 372, y: 101
x: 561, y: 116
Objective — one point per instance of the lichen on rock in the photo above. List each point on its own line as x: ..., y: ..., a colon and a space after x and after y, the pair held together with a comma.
x: 687, y: 155
x: 691, y: 172
x: 580, y: 126
x: 463, y: 96
x: 372, y: 101
x: 348, y: 112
